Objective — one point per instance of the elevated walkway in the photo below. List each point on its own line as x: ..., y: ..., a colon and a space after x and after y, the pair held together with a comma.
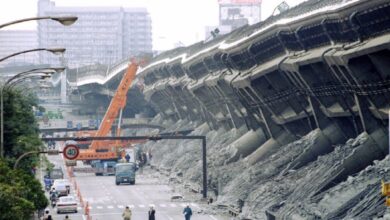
x: 61, y: 125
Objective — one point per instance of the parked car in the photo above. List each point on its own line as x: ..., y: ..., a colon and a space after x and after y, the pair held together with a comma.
x: 66, y: 204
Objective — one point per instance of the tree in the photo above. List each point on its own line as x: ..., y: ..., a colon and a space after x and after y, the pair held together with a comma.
x: 20, y: 193
x: 20, y: 128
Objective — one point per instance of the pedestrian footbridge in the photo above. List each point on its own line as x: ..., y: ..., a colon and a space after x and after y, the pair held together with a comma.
x: 61, y: 125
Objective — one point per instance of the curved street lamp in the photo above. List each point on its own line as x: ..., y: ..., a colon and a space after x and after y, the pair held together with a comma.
x: 56, y: 51
x: 14, y: 80
x: 29, y: 89
x: 64, y: 20
x: 49, y: 70
x: 41, y: 76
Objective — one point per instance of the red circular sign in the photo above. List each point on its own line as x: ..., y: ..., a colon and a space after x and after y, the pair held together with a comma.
x: 71, y: 152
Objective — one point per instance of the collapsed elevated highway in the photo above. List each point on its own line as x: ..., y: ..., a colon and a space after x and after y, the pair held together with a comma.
x: 314, y: 80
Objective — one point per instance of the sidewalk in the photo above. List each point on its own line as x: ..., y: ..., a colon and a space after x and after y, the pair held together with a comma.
x: 39, y: 175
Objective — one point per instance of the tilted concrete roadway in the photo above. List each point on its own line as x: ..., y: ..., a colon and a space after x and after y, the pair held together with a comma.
x: 107, y: 201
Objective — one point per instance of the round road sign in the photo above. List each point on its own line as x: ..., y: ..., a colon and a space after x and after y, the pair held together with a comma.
x: 71, y: 152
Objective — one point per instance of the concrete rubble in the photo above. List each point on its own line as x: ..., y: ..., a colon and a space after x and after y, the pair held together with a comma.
x: 269, y: 186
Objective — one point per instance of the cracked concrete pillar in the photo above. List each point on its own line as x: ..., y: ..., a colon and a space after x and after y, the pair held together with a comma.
x: 246, y: 144
x: 269, y: 147
x: 363, y: 155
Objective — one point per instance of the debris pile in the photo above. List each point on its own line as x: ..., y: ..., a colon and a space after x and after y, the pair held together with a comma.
x: 269, y: 187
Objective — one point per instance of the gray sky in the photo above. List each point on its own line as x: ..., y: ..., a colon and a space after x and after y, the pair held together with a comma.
x: 172, y: 20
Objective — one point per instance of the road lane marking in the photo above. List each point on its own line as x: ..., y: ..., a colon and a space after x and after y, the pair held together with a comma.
x: 99, y: 207
x: 173, y: 205
x: 214, y: 218
x: 141, y: 206
x: 194, y: 204
x: 152, y: 205
x: 110, y: 207
x: 163, y: 205
x: 131, y: 206
x: 79, y: 208
x: 120, y: 206
x: 183, y: 205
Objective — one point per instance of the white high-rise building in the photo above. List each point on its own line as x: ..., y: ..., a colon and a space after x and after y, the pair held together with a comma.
x: 102, y: 35
x: 13, y: 41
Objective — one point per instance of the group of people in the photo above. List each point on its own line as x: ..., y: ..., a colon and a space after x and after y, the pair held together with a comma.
x: 127, y: 213
x: 187, y: 212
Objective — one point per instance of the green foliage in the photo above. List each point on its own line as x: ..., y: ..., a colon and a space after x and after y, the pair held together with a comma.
x: 20, y: 127
x: 20, y: 193
x: 46, y: 163
x: 41, y: 109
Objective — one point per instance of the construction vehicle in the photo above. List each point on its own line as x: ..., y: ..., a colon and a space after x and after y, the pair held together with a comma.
x: 100, y: 152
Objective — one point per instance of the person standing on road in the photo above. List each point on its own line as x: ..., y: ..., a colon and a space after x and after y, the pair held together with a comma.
x: 127, y: 214
x: 187, y: 212
x: 127, y: 157
x: 152, y: 213
x: 46, y: 215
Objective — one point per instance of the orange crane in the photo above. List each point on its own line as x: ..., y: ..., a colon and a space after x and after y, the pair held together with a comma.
x: 104, y: 150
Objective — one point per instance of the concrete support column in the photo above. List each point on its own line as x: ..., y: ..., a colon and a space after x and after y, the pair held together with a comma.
x: 320, y: 119
x: 273, y: 129
x: 246, y: 144
x: 64, y: 97
x: 369, y: 123
x: 324, y: 142
x: 362, y: 156
x: 269, y: 147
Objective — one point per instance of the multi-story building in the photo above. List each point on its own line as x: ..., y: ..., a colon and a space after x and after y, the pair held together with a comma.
x: 236, y: 13
x: 101, y: 35
x: 13, y: 41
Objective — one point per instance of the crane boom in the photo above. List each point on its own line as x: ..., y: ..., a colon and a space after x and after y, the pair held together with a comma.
x: 117, y: 104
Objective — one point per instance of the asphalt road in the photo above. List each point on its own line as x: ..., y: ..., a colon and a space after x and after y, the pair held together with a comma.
x: 107, y: 200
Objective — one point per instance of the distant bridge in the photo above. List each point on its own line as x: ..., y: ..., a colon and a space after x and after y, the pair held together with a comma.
x: 61, y: 125
x: 99, y: 75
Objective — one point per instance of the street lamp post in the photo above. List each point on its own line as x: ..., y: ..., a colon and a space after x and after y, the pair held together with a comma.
x: 56, y: 51
x: 15, y: 79
x: 64, y: 20
x: 42, y: 76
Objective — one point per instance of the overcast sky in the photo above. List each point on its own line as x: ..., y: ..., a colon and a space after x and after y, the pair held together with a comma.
x: 173, y: 21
